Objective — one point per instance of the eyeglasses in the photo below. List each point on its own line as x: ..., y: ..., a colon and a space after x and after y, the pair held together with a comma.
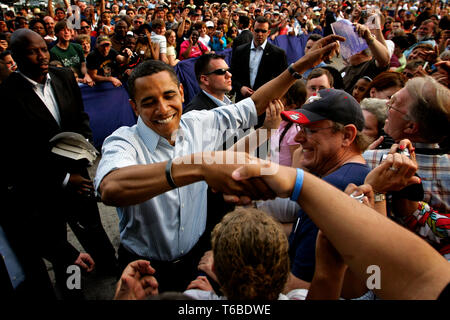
x: 309, y: 131
x: 260, y: 30
x: 389, y: 106
x: 219, y: 72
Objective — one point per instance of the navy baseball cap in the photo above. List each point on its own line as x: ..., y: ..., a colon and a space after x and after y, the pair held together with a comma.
x: 329, y: 104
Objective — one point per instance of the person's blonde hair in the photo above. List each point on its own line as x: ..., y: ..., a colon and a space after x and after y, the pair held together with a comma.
x: 431, y: 108
x: 251, y: 257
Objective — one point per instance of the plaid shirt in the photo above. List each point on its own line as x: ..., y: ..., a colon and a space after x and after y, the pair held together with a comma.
x: 433, y: 170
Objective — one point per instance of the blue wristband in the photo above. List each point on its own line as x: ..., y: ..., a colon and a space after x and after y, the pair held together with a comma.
x: 298, y: 185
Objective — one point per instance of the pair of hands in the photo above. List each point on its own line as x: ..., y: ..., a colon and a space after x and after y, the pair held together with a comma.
x: 137, y: 282
x: 273, y: 114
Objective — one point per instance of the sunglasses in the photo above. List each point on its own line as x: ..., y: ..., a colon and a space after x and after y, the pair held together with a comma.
x: 219, y: 72
x: 85, y: 27
x: 260, y: 30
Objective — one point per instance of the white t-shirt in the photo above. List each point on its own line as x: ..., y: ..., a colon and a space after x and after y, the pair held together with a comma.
x: 161, y: 40
x: 205, y: 41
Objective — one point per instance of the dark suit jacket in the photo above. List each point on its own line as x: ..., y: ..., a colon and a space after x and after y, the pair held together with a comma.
x: 244, y: 37
x: 35, y: 223
x: 273, y: 62
x: 200, y: 102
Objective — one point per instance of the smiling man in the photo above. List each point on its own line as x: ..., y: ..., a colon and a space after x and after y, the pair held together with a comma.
x: 329, y: 131
x: 162, y: 205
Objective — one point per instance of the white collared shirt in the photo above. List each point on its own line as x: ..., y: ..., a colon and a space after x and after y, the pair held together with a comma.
x: 256, y: 54
x: 226, y: 101
x: 167, y: 226
x: 46, y: 94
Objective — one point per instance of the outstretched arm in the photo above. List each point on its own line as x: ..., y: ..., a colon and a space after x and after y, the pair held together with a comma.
x: 277, y: 87
x: 345, y: 222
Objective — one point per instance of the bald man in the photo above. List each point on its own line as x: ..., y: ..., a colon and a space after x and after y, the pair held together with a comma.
x: 45, y: 190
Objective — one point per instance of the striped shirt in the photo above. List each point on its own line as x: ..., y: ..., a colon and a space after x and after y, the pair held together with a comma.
x: 433, y: 170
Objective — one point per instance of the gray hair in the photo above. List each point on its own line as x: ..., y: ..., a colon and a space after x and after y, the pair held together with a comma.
x: 378, y: 108
x: 431, y: 107
x: 445, y: 55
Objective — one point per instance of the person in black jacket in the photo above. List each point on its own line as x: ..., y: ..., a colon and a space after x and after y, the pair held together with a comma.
x: 44, y: 190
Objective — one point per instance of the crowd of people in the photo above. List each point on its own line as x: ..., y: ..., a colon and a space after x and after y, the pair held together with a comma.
x: 342, y: 168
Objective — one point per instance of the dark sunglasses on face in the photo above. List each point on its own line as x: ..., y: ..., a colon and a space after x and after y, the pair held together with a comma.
x: 219, y: 72
x: 260, y: 30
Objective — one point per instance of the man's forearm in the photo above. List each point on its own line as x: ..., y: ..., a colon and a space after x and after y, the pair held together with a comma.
x: 276, y: 88
x: 138, y: 183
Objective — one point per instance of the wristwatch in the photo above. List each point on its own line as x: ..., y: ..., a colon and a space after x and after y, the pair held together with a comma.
x: 379, y: 197
x: 294, y: 73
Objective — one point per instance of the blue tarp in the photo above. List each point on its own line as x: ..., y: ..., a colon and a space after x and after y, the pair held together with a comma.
x: 108, y: 109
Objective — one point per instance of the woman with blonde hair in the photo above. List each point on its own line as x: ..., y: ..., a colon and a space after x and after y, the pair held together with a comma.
x: 171, y: 54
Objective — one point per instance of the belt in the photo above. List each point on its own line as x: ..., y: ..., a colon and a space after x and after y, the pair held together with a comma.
x: 161, y: 263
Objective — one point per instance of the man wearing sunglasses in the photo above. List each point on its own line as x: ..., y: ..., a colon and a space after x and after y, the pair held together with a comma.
x: 257, y: 62
x: 214, y: 79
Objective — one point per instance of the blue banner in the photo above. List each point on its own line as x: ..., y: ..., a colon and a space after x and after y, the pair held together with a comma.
x: 108, y: 109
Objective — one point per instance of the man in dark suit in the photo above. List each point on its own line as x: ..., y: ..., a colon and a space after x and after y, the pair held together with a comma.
x: 246, y: 35
x: 45, y: 191
x: 214, y: 79
x: 255, y: 63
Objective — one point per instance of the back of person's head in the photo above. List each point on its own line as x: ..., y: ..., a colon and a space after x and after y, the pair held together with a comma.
x: 244, y: 21
x: 198, y: 25
x: 296, y: 95
x: 148, y: 68
x: 157, y: 23
x: 430, y: 108
x: 318, y: 72
x: 56, y: 64
x: 251, y: 257
x: 315, y: 37
x: 262, y: 19
x: 408, y: 24
x: 143, y: 27
x: 378, y: 108
x: 386, y: 80
x: 202, y: 63
x: 401, y: 41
